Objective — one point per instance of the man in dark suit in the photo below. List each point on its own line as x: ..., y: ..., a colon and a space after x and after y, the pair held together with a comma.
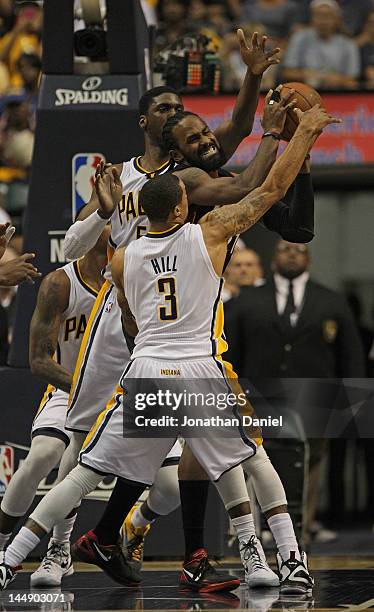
x: 293, y: 327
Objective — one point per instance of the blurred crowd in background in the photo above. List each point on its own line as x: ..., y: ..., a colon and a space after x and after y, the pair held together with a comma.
x: 326, y: 43
x: 20, y: 69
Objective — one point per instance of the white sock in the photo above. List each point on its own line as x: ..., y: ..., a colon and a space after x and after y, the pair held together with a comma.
x: 284, y: 535
x: 24, y: 542
x: 4, y: 539
x: 244, y: 527
x: 62, y: 531
x: 138, y: 520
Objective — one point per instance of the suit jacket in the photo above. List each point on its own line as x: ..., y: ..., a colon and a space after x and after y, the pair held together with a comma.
x: 324, y: 343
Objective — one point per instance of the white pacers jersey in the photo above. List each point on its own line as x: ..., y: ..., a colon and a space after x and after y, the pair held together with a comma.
x: 173, y: 292
x: 128, y: 221
x: 81, y: 300
x: 51, y: 414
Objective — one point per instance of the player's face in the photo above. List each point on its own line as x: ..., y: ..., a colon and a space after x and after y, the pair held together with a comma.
x: 197, y: 144
x: 163, y: 106
x: 290, y: 259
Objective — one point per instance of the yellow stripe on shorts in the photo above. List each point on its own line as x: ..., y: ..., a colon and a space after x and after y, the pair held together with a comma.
x: 236, y: 388
x: 44, y: 399
x: 86, y: 337
x: 101, y: 416
x: 221, y: 343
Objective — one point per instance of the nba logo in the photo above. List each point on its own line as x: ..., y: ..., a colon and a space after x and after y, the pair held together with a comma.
x: 109, y: 307
x: 6, y: 467
x: 83, y: 175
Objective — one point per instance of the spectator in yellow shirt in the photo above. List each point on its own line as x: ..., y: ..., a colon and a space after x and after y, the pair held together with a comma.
x: 24, y: 38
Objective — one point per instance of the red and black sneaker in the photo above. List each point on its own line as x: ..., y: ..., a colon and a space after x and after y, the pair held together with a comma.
x: 198, y: 575
x: 110, y: 558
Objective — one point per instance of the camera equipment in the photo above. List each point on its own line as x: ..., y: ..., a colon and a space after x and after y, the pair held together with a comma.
x: 190, y: 64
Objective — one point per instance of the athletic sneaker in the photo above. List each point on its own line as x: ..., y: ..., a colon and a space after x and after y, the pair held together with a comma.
x: 110, y: 558
x: 257, y: 571
x: 198, y: 575
x: 294, y: 575
x: 133, y: 539
x: 7, y: 573
x: 55, y: 565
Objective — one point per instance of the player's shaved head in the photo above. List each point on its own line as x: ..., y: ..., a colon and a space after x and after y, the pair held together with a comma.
x: 149, y: 96
x: 156, y: 106
x: 160, y: 195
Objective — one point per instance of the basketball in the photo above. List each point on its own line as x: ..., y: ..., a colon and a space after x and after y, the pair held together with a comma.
x: 306, y: 97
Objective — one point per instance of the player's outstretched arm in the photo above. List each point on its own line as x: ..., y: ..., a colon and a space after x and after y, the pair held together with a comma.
x: 293, y: 217
x: 204, y: 190
x: 82, y: 236
x: 53, y: 300
x: 257, y: 59
x: 129, y: 325
x: 237, y: 218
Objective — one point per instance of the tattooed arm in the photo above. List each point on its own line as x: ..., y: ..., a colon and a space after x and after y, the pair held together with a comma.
x: 222, y: 223
x: 53, y: 300
x: 130, y: 329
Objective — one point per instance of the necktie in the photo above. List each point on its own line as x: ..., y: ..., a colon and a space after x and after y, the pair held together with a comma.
x: 290, y: 306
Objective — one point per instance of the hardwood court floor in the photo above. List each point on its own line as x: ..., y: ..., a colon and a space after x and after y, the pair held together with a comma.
x: 342, y: 583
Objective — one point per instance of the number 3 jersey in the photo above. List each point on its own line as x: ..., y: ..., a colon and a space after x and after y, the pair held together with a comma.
x: 173, y: 293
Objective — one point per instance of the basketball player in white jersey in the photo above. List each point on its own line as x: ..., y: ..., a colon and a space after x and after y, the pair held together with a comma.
x: 105, y: 329
x: 103, y: 351
x: 128, y: 223
x: 202, y: 250
x: 190, y: 139
x: 65, y: 300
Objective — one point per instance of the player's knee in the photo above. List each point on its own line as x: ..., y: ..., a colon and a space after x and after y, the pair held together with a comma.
x: 164, y: 496
x: 43, y: 456
x: 259, y: 461
x: 83, y: 479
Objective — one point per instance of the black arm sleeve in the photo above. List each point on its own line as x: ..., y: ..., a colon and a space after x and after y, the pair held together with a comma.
x: 293, y: 218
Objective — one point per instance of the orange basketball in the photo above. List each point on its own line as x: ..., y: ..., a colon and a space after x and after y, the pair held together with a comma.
x: 306, y: 97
